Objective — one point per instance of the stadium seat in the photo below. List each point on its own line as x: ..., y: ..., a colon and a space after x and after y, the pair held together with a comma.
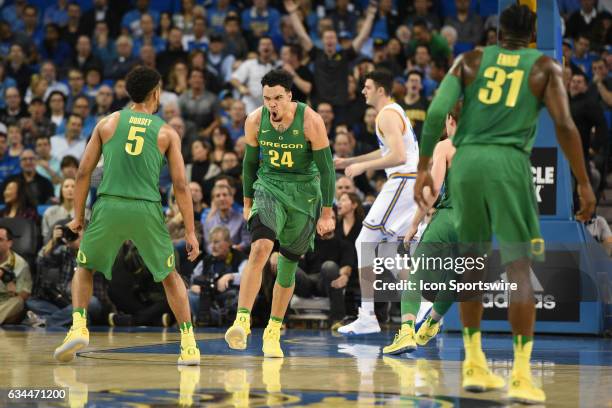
x: 314, y: 309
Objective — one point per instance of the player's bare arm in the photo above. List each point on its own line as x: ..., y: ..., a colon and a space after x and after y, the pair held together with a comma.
x: 391, y: 127
x: 556, y: 101
x: 342, y: 163
x: 315, y: 132
x: 181, y: 191
x: 88, y: 163
x: 441, y: 159
x: 251, y: 159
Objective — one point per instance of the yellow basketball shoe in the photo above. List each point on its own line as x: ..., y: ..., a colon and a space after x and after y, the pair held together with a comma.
x: 478, y: 378
x: 236, y: 336
x: 76, y: 339
x: 522, y: 389
x: 427, y: 331
x: 190, y: 354
x: 271, y: 340
x: 403, y: 341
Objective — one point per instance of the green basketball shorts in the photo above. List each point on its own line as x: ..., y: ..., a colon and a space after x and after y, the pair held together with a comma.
x: 492, y: 191
x: 290, y: 209
x: 116, y: 220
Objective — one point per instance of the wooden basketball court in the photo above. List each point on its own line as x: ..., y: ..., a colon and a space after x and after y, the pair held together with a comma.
x: 137, y: 368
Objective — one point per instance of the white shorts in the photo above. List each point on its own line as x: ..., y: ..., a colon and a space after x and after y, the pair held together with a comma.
x: 393, y: 209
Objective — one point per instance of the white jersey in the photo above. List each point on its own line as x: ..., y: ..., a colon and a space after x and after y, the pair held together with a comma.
x: 410, y: 143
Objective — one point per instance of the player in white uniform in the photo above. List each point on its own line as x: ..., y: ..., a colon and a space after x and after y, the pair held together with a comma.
x: 392, y: 212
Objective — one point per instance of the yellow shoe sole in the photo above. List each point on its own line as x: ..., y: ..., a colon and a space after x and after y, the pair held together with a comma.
x: 67, y: 351
x: 273, y: 353
x: 236, y: 338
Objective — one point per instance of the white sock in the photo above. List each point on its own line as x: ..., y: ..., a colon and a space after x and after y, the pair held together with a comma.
x: 367, y: 306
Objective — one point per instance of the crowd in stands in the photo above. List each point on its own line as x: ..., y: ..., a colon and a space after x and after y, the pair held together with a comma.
x: 62, y: 69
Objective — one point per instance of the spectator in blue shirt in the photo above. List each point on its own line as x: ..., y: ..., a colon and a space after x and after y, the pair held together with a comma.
x: 13, y: 13
x: 260, y: 20
x: 148, y: 36
x: 217, y: 13
x: 57, y: 13
x: 9, y: 166
x: 198, y: 40
x: 130, y: 24
x: 31, y: 27
x: 582, y: 57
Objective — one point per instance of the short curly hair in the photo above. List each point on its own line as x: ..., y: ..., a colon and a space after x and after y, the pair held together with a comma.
x: 140, y: 82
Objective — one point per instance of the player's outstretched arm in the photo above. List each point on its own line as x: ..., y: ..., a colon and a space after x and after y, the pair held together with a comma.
x: 88, y: 163
x: 391, y: 126
x: 181, y: 191
x: 555, y: 99
x: 342, y: 163
x: 315, y: 132
x: 250, y: 163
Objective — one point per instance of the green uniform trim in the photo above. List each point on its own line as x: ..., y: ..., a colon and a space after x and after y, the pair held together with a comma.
x: 446, y: 97
x: 250, y: 164
x: 325, y: 164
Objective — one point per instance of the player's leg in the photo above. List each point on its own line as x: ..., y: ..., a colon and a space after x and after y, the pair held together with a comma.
x: 99, y: 245
x: 515, y: 224
x: 151, y: 238
x: 470, y: 173
x: 373, y: 231
x: 441, y: 242
x: 296, y: 237
x: 262, y: 238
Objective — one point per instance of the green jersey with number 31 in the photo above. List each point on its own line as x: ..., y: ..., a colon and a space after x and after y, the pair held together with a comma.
x: 499, y: 108
x: 132, y: 160
x: 285, y: 155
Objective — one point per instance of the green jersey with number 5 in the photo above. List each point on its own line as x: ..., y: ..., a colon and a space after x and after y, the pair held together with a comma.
x: 132, y: 160
x: 287, y: 155
x: 499, y: 108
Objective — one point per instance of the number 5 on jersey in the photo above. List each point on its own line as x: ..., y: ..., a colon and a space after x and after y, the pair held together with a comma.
x: 135, y: 140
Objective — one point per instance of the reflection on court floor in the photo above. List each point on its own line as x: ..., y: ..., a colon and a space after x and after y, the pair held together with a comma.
x: 137, y: 367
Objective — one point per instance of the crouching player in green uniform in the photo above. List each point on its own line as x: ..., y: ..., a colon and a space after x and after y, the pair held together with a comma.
x: 504, y: 87
x: 438, y: 241
x: 288, y: 174
x: 134, y: 143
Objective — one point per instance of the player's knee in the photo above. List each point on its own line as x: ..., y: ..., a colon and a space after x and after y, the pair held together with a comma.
x: 285, y: 275
x: 261, y: 249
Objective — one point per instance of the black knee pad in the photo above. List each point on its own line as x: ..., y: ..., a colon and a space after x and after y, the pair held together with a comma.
x: 290, y: 256
x: 259, y: 230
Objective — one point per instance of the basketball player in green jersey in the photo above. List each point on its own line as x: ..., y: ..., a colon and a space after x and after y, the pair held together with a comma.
x: 134, y: 143
x: 438, y: 240
x: 288, y: 174
x: 503, y: 89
